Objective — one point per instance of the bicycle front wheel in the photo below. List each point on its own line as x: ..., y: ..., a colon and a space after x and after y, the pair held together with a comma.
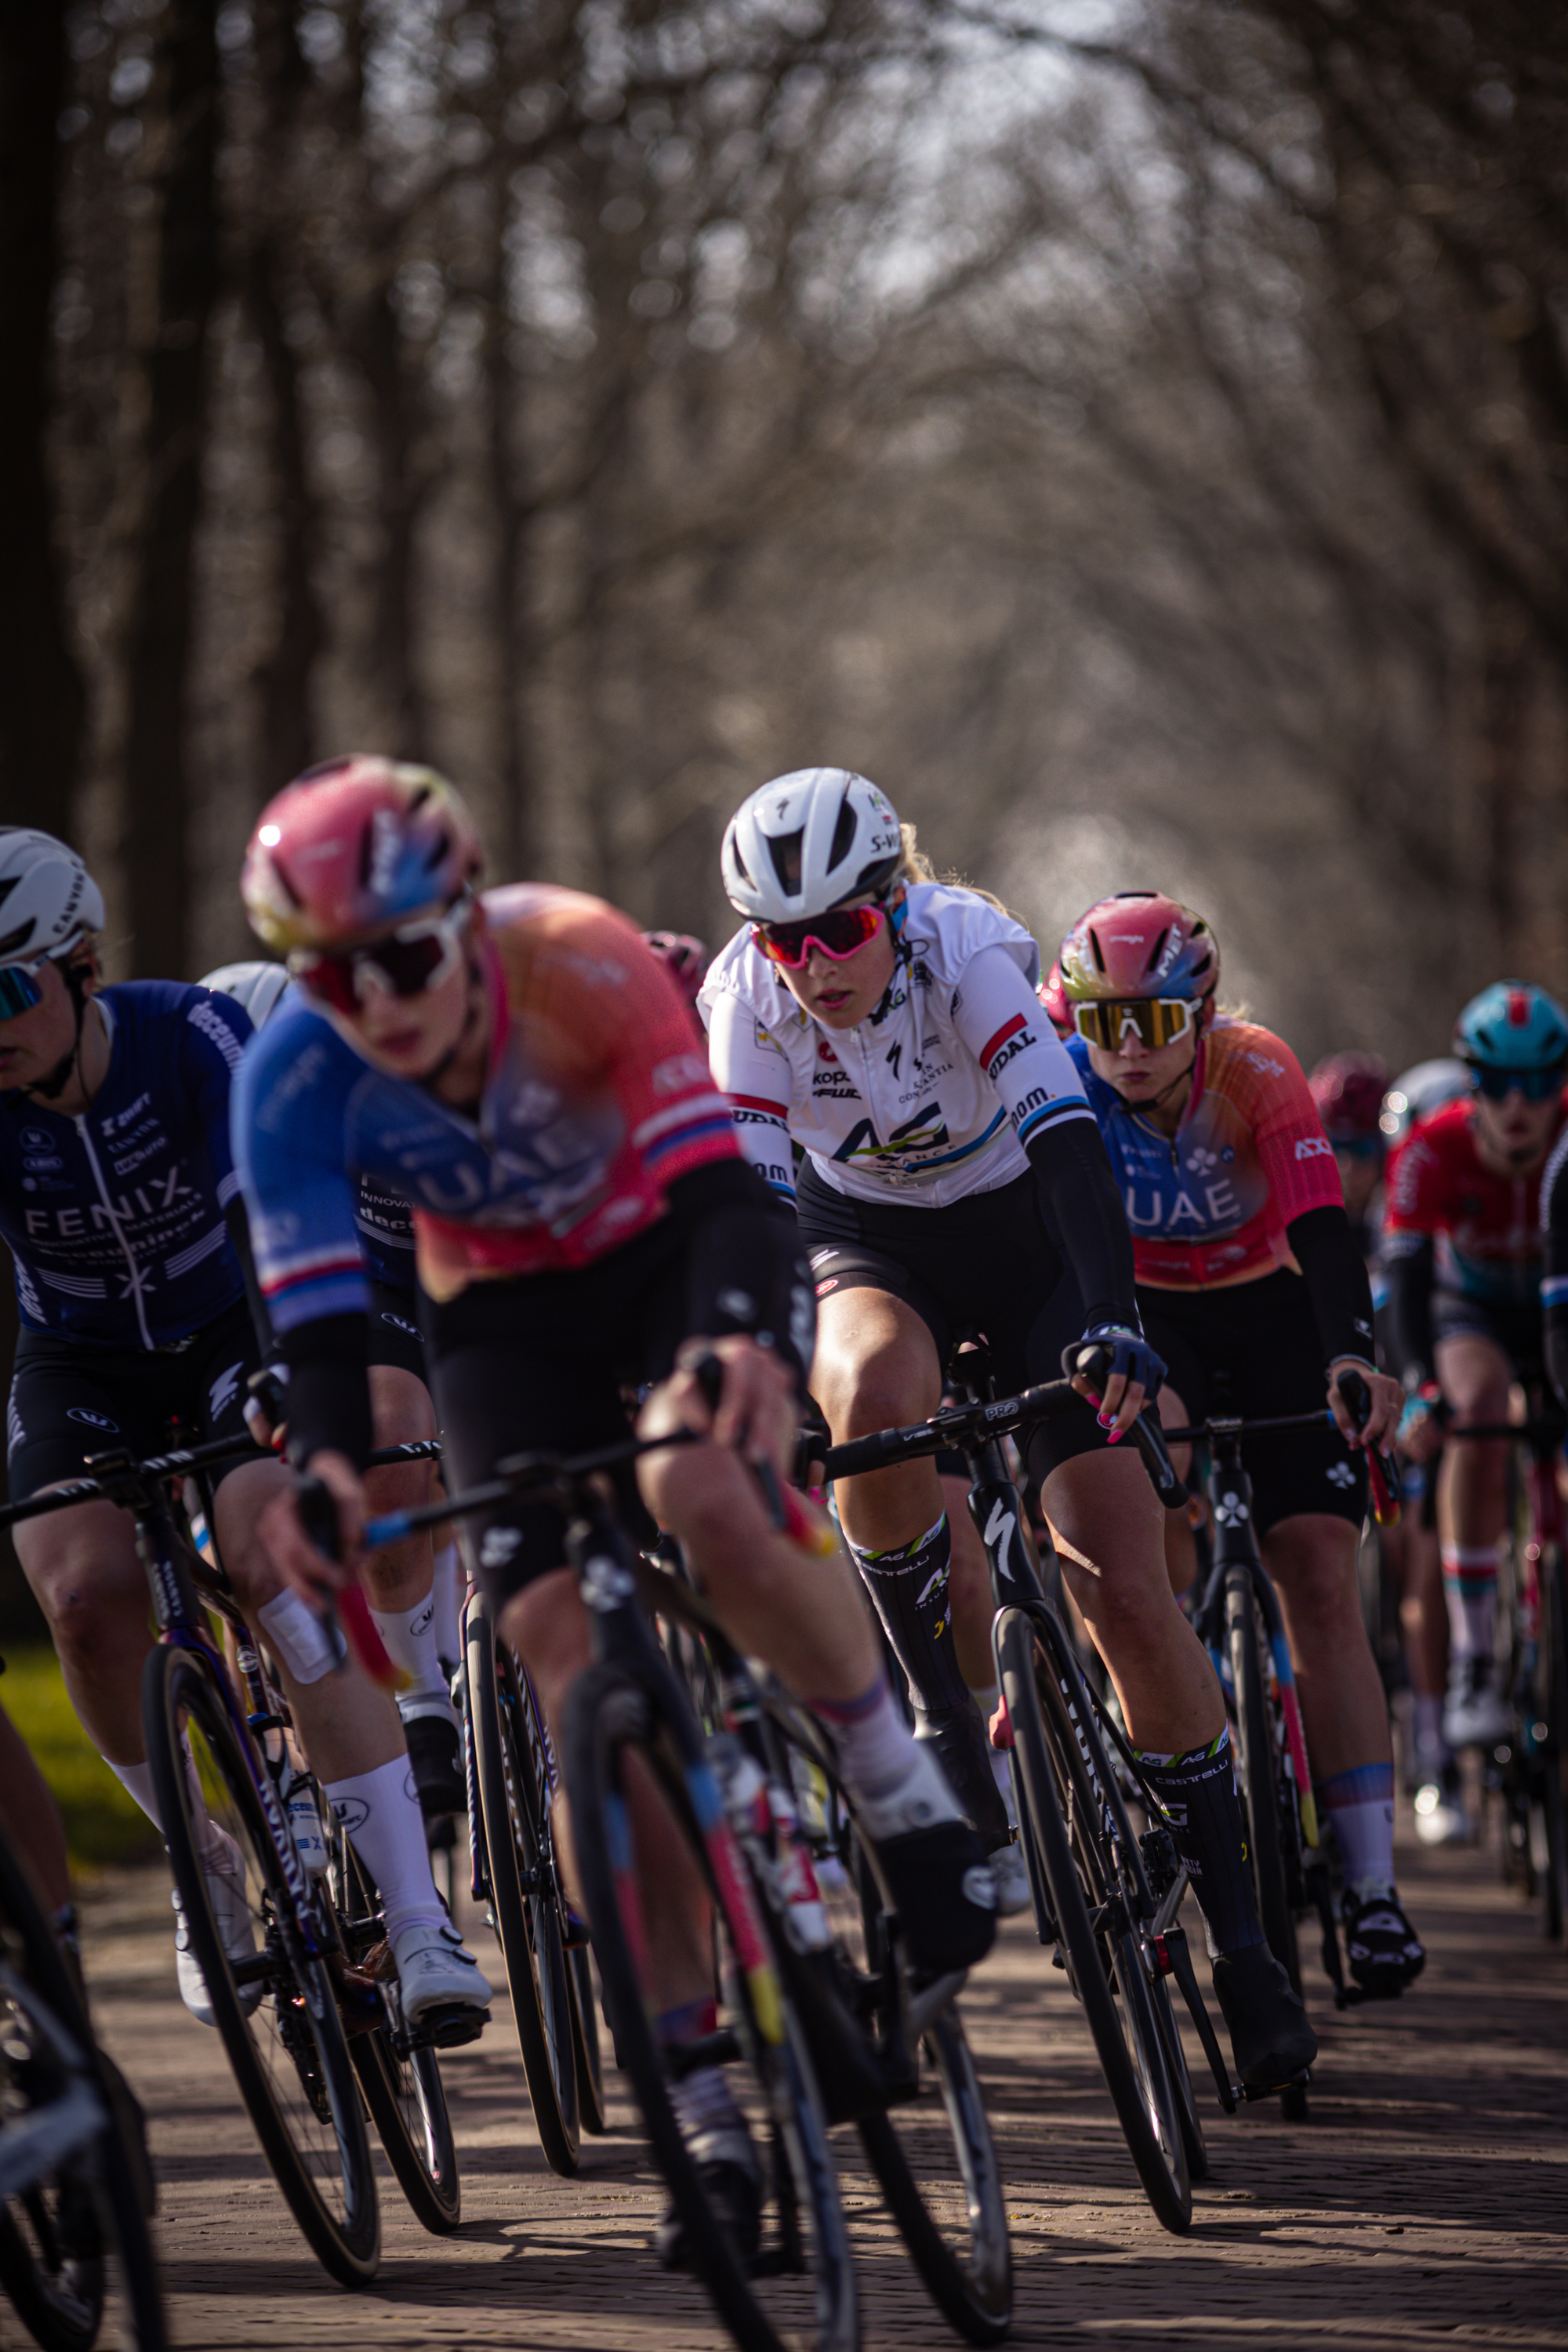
x: 637, y: 1812
x: 273, y: 2006
x: 1258, y: 1736
x: 514, y: 1795
x: 1063, y: 1812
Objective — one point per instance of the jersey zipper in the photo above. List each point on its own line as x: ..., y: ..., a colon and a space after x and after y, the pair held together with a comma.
x: 80, y: 1125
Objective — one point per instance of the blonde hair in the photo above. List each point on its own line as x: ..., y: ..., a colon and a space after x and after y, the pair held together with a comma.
x: 915, y: 866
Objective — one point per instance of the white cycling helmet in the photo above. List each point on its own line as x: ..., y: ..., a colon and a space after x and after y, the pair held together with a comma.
x: 808, y: 841
x: 260, y: 987
x: 1424, y: 1088
x: 47, y: 898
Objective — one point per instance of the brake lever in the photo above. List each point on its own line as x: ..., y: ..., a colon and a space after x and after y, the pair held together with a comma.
x: 348, y: 1621
x: 786, y: 1515
x: 1380, y: 1478
x: 1095, y: 1364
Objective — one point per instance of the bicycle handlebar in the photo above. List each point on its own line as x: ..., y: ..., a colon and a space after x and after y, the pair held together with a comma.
x: 179, y: 1465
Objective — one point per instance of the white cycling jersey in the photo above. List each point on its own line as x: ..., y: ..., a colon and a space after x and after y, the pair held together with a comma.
x: 934, y: 1095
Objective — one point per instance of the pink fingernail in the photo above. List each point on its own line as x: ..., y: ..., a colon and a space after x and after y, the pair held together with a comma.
x: 1115, y: 1437
x: 1103, y: 1419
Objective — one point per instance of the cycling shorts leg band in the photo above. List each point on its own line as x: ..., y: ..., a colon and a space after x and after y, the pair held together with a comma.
x: 296, y: 1637
x: 910, y: 1588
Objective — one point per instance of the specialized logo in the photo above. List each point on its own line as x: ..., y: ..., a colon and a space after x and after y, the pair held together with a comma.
x: 398, y: 1324
x: 223, y: 1391
x: 89, y: 1419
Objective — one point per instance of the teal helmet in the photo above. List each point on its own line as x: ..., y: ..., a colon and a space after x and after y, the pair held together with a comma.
x: 1512, y: 1025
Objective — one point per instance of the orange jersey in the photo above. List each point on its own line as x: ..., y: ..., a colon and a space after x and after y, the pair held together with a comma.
x: 1210, y: 1204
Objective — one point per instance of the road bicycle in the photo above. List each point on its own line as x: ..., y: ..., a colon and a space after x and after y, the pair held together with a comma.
x: 304, y: 2024
x: 1105, y: 1897
x: 74, y: 2239
x: 814, y: 2023
x: 1239, y: 1620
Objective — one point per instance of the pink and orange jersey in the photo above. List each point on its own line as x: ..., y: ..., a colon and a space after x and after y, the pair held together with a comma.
x: 1210, y: 1204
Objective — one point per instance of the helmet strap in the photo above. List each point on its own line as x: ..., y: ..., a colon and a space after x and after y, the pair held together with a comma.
x: 432, y: 1078
x: 53, y: 1083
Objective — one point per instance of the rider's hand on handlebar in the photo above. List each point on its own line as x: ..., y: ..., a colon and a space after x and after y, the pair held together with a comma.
x: 1425, y: 1421
x: 1387, y: 1397
x: 310, y: 1573
x: 758, y: 1411
x: 1136, y: 1374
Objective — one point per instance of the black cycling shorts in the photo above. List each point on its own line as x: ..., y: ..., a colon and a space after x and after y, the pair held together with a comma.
x: 1517, y: 1329
x: 985, y: 1264
x: 69, y: 1401
x: 544, y: 1363
x: 392, y: 1336
x: 1261, y: 1339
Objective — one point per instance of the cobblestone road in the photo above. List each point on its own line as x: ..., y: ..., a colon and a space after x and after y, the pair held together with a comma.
x: 1425, y: 2202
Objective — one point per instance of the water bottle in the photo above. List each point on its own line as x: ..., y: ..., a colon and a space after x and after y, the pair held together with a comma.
x: 304, y: 1811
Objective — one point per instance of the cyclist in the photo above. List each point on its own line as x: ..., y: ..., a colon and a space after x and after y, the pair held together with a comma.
x: 413, y: 1589
x: 954, y: 1180
x: 1247, y: 1267
x: 117, y: 1196
x: 686, y: 960
x: 1463, y: 1250
x: 522, y: 1070
x: 1348, y: 1090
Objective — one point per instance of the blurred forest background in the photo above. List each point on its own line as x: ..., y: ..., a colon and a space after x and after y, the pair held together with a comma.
x: 1135, y: 432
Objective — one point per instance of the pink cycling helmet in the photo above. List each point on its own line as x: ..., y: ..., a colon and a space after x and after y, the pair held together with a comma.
x: 1138, y: 943
x: 1348, y: 1090
x: 1058, y: 1012
x: 684, y: 957
x: 351, y: 849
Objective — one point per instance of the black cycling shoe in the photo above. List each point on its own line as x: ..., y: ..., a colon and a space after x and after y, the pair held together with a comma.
x: 727, y: 2167
x: 1384, y: 1952
x: 1270, y: 2038
x: 435, y: 1752
x: 963, y: 1752
x: 944, y: 1892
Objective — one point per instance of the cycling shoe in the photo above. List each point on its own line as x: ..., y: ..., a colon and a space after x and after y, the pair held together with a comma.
x: 959, y: 1741
x: 732, y: 2184
x: 1270, y: 2038
x: 938, y: 1878
x: 1384, y: 1952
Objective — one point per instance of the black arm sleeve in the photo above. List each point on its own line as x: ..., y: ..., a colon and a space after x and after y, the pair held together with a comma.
x: 1085, y: 1212
x: 1409, y: 1271
x: 746, y: 1270
x: 1337, y: 1282
x: 328, y: 1389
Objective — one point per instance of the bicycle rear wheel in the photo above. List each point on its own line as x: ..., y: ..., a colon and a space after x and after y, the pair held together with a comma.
x: 624, y: 1776
x: 74, y: 2239
x: 1259, y: 1760
x: 1554, y: 1736
x: 404, y: 2092
x: 592, y: 2110
x: 525, y: 1896
x: 276, y: 2012
x: 1061, y: 1812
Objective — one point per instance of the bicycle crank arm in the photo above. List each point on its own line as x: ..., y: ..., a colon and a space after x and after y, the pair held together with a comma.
x: 1172, y: 1943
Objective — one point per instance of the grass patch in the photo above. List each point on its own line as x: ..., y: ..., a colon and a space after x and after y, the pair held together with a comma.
x: 103, y: 1823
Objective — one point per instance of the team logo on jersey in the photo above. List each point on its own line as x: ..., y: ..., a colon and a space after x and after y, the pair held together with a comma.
x: 92, y: 1420
x: 37, y: 1138
x: 398, y: 1324
x: 1314, y: 1147
x: 223, y: 1391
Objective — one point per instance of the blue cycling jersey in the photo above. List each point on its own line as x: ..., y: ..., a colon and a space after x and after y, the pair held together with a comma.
x: 115, y: 1216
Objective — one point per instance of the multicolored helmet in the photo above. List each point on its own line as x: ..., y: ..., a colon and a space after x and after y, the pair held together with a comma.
x: 1512, y: 1025
x: 684, y: 957
x: 1138, y: 943
x: 1058, y: 1012
x: 352, y: 848
x: 1348, y: 1090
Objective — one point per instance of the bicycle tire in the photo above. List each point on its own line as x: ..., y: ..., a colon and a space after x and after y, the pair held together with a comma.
x: 1258, y: 1757
x: 60, y: 2295
x: 1131, y: 2052
x: 287, y: 2049
x: 592, y: 2110
x: 524, y: 1897
x: 406, y: 2096
x: 1555, y: 1746
x: 966, y: 2264
x: 610, y: 1718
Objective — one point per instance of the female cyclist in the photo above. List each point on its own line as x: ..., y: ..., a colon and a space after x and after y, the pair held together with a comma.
x: 1247, y: 1268
x: 954, y: 1182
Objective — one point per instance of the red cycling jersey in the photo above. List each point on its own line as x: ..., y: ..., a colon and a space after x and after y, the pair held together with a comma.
x: 1487, y: 1228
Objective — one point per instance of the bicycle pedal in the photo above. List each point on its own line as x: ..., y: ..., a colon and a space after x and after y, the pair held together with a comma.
x: 1251, y: 2092
x: 449, y: 2026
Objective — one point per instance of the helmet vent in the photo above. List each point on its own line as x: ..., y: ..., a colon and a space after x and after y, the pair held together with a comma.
x: 1154, y: 952
x: 322, y: 768
x: 783, y: 848
x: 365, y: 855
x: 843, y: 835
x: 1098, y: 953
x: 438, y: 850
x: 17, y: 939
x: 7, y: 886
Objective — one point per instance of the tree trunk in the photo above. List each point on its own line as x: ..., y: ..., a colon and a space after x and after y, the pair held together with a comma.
x: 42, y: 701
x: 379, y: 354
x: 173, y: 386
x: 515, y: 843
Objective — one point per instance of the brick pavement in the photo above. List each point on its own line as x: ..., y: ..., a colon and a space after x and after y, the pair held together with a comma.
x: 1426, y: 2204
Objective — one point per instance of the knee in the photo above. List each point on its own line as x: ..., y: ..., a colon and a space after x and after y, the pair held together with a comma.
x: 400, y: 1487
x: 87, y: 1607
x: 1318, y: 1580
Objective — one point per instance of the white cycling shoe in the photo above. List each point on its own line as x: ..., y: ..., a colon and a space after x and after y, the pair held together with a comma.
x: 225, y: 1884
x: 438, y: 1982
x: 1475, y: 1714
x: 1011, y: 1872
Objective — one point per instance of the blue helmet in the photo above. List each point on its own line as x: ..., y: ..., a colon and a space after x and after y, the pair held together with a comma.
x: 1512, y: 1026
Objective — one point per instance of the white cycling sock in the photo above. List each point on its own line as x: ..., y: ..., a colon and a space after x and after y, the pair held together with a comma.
x: 408, y: 1637
x: 1469, y: 1587
x: 1360, y: 1805
x: 1431, y: 1748
x: 876, y: 1747
x: 136, y: 1779
x: 449, y: 1588
x: 386, y: 1829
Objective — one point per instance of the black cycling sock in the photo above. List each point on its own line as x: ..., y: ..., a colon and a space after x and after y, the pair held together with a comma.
x: 1196, y: 1794
x: 909, y: 1585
